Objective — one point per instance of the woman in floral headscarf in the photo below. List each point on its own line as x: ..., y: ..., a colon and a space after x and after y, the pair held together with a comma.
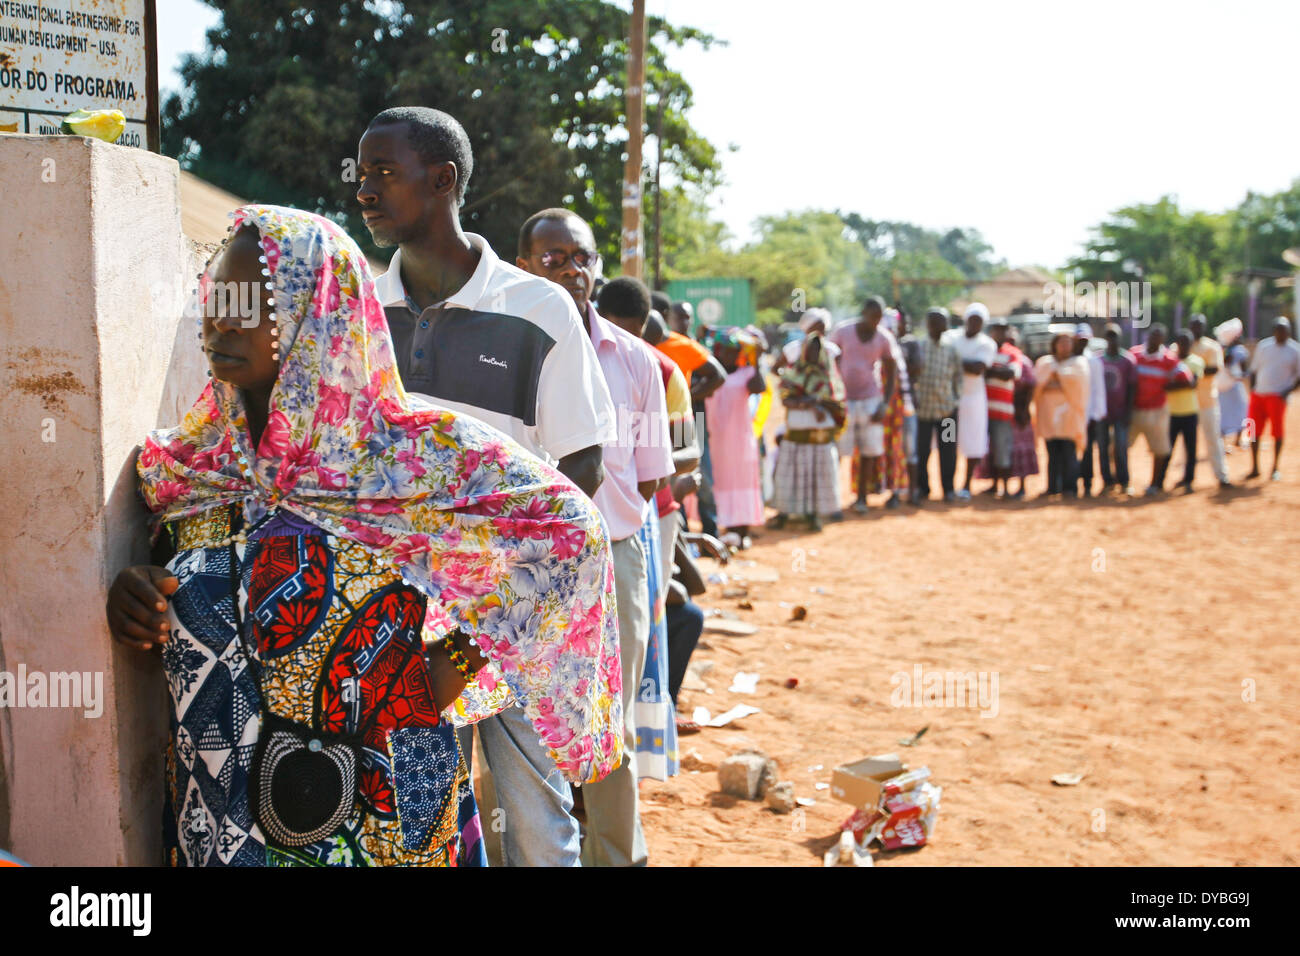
x: 808, y: 465
x: 325, y: 526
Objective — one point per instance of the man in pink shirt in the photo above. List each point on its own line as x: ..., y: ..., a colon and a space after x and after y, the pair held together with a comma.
x: 867, y: 366
x: 557, y: 244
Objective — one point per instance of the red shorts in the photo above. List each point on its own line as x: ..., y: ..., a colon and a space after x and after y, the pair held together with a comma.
x: 1265, y: 409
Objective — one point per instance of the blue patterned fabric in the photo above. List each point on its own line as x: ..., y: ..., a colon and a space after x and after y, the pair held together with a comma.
x: 656, y: 724
x: 414, y: 797
x: 215, y: 719
x: 425, y: 761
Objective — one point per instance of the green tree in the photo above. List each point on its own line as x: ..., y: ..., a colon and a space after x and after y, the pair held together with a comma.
x: 965, y: 249
x: 1263, y: 227
x: 274, y: 107
x: 1184, y: 256
x: 799, y: 259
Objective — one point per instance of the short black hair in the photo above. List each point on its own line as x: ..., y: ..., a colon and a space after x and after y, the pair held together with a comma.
x: 655, y: 330
x: 624, y: 298
x: 874, y: 300
x: 554, y: 214
x: 660, y: 302
x: 437, y: 137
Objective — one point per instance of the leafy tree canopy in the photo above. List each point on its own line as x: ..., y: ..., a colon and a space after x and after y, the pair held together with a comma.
x: 276, y: 104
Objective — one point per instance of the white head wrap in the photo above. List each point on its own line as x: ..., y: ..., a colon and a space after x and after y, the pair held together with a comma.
x: 1228, y: 331
x: 812, y: 317
x: 977, y: 308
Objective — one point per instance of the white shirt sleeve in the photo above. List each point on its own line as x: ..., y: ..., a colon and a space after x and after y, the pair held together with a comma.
x: 574, y: 407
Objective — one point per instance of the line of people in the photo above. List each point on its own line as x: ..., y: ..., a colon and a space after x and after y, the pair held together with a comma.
x: 871, y: 391
x: 445, y: 505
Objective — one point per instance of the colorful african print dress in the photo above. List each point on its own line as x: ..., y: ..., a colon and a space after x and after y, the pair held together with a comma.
x: 331, y: 640
x: 807, y: 477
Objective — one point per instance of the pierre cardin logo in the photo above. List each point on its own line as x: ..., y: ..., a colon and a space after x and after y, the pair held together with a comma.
x: 490, y: 360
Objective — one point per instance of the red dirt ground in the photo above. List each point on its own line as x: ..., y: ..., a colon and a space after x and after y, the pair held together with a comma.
x: 1124, y: 633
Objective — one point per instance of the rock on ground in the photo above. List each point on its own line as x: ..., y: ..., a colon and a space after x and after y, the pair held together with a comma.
x: 780, y: 797
x: 747, y: 775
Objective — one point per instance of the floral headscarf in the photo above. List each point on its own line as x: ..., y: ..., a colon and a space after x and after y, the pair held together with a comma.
x: 513, y: 552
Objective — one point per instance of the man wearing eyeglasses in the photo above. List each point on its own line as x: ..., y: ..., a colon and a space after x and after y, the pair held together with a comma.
x: 557, y: 244
x: 485, y: 338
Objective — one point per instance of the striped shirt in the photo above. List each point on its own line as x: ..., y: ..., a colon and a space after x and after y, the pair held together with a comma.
x: 1154, y: 370
x: 1002, y: 391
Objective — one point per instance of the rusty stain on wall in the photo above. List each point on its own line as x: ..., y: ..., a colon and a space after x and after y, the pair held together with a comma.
x: 30, y: 378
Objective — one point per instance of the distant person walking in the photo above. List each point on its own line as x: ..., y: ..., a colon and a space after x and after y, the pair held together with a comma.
x: 1274, y: 373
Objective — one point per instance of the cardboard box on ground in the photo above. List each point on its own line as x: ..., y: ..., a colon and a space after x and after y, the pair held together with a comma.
x: 894, y: 805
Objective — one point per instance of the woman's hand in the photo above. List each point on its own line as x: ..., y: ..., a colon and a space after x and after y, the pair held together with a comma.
x: 137, y: 605
x: 446, y: 681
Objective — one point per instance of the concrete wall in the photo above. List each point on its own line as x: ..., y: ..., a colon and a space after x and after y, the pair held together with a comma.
x: 94, y: 352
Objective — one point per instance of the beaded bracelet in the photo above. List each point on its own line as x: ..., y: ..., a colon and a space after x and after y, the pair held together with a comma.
x: 457, y: 658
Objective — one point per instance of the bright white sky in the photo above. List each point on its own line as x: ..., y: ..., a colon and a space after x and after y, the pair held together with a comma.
x: 1027, y: 119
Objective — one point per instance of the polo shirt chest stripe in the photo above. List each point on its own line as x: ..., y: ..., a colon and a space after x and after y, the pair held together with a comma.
x: 482, y: 359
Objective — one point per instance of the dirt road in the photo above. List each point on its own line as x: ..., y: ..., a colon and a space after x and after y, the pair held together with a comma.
x: 1149, y: 644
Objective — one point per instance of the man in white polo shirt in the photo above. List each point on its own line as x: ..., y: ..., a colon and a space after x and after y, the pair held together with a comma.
x: 558, y: 245
x: 482, y: 337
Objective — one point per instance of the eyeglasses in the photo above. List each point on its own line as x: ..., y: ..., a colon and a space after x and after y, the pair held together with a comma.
x: 555, y: 259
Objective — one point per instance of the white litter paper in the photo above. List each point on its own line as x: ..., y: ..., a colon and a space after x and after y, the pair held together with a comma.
x: 702, y: 716
x: 744, y: 683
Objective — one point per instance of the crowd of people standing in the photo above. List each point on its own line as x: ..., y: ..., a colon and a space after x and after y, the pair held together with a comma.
x: 415, y: 513
x: 966, y: 389
x: 444, y: 511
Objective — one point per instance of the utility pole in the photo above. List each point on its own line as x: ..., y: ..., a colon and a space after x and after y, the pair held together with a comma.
x: 632, y: 252
x: 659, y: 161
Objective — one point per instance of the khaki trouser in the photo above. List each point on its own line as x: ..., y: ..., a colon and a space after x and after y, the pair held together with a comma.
x: 614, y: 836
x: 1209, y: 419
